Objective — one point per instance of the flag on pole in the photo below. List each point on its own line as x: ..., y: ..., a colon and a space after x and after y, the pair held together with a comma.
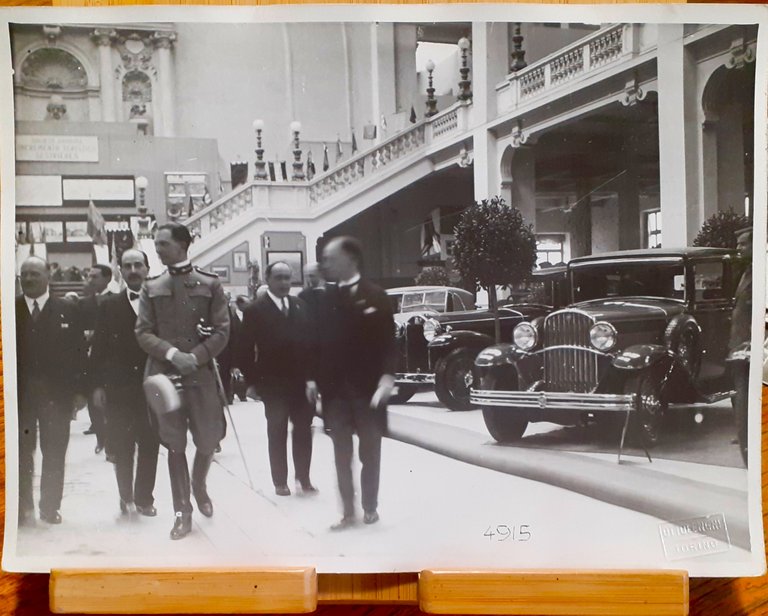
x: 339, y: 151
x: 326, y: 164
x: 96, y: 225
x: 354, y: 143
x: 413, y: 115
x: 117, y: 276
x: 310, y: 166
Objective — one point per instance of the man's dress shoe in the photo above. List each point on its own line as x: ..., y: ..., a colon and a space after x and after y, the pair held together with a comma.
x: 147, y: 510
x: 282, y: 490
x: 52, y: 517
x: 308, y: 488
x: 371, y: 517
x: 348, y: 521
x: 182, y: 526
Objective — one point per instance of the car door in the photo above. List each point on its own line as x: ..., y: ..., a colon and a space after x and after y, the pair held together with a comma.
x: 712, y: 305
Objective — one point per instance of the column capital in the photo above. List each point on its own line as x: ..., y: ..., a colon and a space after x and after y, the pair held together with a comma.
x: 163, y: 39
x: 103, y: 37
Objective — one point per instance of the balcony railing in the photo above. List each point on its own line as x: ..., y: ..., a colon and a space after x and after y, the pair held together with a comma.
x: 308, y: 196
x: 580, y: 59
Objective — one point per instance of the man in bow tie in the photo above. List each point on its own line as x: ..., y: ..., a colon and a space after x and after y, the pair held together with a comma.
x: 51, y: 354
x: 183, y: 325
x: 273, y: 352
x: 117, y: 371
x: 354, y: 363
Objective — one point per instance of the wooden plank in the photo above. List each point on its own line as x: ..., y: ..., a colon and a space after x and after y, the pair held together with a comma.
x: 146, y: 591
x: 555, y: 593
x: 368, y: 588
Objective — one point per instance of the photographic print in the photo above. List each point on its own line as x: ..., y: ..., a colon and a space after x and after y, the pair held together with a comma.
x: 510, y: 317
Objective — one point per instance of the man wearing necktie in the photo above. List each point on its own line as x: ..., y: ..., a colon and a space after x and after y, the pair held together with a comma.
x: 117, y: 371
x: 51, y: 354
x: 354, y: 363
x: 183, y: 324
x: 273, y: 353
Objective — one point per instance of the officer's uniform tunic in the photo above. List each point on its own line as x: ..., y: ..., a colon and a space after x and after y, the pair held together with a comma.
x: 171, y: 307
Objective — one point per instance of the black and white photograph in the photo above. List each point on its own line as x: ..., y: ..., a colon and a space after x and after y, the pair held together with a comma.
x: 379, y: 288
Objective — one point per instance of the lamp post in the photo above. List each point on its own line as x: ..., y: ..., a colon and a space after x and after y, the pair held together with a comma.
x: 298, y: 166
x: 431, y: 101
x: 465, y: 90
x: 259, y: 167
x: 144, y: 219
x: 518, y: 53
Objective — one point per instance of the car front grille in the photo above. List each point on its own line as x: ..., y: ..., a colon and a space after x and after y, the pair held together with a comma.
x: 570, y: 365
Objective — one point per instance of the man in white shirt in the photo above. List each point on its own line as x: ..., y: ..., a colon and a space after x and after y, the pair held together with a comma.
x: 117, y: 372
x: 51, y: 354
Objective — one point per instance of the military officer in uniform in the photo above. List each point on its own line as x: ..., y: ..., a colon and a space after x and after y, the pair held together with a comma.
x: 183, y: 324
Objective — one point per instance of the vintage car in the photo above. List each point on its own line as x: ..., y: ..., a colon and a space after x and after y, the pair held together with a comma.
x: 643, y: 334
x: 438, y: 347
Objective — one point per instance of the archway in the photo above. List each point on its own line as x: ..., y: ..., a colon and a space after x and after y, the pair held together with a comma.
x: 728, y: 138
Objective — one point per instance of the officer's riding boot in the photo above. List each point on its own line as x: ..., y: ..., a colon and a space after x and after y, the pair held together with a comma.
x: 199, y: 473
x: 179, y: 472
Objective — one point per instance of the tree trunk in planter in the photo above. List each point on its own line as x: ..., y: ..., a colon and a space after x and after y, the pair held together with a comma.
x: 493, y: 304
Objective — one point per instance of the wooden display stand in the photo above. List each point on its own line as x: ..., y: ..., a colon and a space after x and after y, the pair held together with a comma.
x: 556, y: 593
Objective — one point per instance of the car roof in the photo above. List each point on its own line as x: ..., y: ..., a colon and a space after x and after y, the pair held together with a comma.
x: 689, y: 251
x: 416, y: 289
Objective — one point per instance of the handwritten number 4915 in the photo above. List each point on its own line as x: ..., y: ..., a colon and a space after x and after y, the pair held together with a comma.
x: 502, y: 532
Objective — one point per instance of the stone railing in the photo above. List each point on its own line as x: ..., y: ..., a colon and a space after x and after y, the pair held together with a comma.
x: 586, y: 56
x: 298, y: 196
x: 220, y: 212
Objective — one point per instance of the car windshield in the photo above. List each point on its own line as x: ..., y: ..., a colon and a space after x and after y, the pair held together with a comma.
x: 430, y: 300
x: 626, y: 278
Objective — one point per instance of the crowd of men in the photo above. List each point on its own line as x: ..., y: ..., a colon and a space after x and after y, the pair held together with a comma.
x: 160, y: 360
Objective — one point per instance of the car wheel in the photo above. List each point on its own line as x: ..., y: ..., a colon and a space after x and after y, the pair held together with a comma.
x: 649, y: 412
x: 504, y: 424
x: 453, y: 378
x: 402, y: 393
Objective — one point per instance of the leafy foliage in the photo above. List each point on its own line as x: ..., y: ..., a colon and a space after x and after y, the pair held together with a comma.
x: 719, y: 230
x: 433, y: 275
x: 494, y: 245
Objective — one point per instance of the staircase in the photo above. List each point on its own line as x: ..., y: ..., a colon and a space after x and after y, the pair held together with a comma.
x: 317, y: 205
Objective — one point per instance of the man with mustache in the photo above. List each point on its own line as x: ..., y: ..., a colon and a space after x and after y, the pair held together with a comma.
x: 117, y: 364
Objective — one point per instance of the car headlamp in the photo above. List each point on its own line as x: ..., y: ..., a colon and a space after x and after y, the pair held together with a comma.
x: 431, y: 329
x: 525, y: 336
x: 602, y: 336
x: 399, y: 329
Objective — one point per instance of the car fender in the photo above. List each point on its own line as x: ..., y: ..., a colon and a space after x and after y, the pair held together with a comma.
x: 642, y: 357
x: 443, y: 344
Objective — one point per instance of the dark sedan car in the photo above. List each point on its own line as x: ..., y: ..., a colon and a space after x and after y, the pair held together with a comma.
x: 438, y: 347
x: 644, y: 333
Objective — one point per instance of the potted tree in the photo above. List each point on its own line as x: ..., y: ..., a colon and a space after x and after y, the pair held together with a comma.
x: 494, y: 247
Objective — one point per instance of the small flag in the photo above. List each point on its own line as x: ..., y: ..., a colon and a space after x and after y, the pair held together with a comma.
x: 116, y: 274
x: 369, y: 131
x: 95, y: 225
x: 413, y: 115
x: 339, y: 151
x: 354, y: 143
x: 326, y: 165
x: 310, y: 166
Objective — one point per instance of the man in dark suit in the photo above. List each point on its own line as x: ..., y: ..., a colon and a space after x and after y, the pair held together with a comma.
x: 354, y: 364
x: 51, y: 354
x: 183, y: 324
x: 99, y: 277
x: 314, y: 287
x: 117, y: 371
x: 273, y: 354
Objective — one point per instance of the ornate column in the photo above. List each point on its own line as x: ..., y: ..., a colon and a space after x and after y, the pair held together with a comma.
x: 163, y: 42
x: 103, y: 38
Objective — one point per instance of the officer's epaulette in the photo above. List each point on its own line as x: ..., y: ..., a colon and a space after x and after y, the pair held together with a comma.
x: 204, y: 273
